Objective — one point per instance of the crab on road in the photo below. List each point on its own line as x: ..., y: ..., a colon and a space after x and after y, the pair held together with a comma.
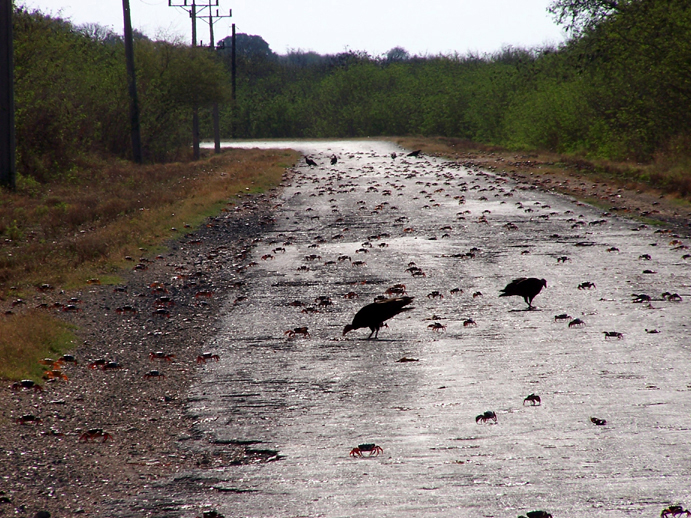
x: 203, y: 357
x: 437, y: 326
x: 372, y: 448
x: 577, y: 322
x: 298, y: 331
x: 533, y: 399
x: 489, y: 415
x: 93, y: 434
x: 674, y: 511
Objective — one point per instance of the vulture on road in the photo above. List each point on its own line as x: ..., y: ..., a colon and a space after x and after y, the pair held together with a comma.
x: 374, y: 315
x: 310, y: 162
x: 415, y: 153
x: 526, y: 288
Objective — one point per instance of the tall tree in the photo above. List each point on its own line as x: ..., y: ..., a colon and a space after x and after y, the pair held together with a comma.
x: 580, y: 15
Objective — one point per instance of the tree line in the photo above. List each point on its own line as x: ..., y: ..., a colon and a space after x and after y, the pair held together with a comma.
x: 619, y: 88
x: 71, y: 94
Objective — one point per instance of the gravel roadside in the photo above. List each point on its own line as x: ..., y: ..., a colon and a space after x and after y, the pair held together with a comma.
x: 170, y: 304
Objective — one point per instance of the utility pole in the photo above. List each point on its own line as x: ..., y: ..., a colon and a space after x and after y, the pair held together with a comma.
x: 135, y: 126
x: 232, y: 78
x: 212, y: 46
x: 191, y: 8
x: 8, y: 171
x: 232, y: 66
x: 195, y: 107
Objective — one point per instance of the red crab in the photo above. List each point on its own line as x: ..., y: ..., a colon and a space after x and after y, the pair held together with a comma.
x: 93, y: 434
x: 674, y: 511
x: 486, y: 416
x: 577, y: 322
x: 437, y: 326
x: 207, y: 356
x: 298, y: 331
x: 28, y: 418
x: 533, y: 399
x: 160, y: 355
x: 372, y: 448
x: 26, y: 384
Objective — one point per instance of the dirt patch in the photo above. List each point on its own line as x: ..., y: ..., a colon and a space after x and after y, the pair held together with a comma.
x: 169, y: 304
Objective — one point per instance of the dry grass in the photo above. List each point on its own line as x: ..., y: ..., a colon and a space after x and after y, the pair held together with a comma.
x: 83, y: 227
x: 27, y: 338
x: 444, y: 145
x: 65, y: 233
x: 669, y: 174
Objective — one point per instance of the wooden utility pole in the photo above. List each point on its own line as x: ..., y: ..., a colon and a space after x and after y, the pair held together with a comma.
x: 232, y: 78
x: 195, y: 107
x: 212, y: 45
x: 8, y: 171
x: 214, y: 107
x: 132, y: 85
x: 232, y: 66
x: 194, y: 14
x: 192, y: 10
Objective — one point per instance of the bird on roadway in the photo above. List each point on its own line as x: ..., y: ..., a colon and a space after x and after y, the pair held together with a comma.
x: 415, y: 153
x: 334, y: 160
x: 374, y: 315
x: 310, y: 162
x: 526, y: 288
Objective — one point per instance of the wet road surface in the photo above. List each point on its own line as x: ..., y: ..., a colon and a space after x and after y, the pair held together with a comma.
x: 312, y: 399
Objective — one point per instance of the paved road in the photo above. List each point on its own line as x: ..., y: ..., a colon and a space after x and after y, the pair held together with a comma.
x: 314, y: 399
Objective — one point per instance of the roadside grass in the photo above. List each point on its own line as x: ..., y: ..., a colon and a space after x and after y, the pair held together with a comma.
x: 669, y: 174
x: 674, y: 181
x: 443, y: 145
x: 27, y: 338
x: 64, y: 233
x: 80, y: 230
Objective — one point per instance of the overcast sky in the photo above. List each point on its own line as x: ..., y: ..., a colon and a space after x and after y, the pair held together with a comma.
x: 329, y: 26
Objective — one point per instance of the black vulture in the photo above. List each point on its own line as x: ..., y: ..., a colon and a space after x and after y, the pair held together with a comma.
x: 374, y: 315
x: 415, y: 153
x: 334, y: 159
x: 526, y: 288
x: 310, y: 162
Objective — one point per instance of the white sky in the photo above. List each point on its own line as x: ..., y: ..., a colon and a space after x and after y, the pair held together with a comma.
x: 330, y: 26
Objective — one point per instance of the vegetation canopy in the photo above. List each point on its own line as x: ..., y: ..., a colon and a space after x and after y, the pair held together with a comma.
x: 71, y: 94
x: 618, y: 89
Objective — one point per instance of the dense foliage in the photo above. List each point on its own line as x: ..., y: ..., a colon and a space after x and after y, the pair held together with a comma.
x: 620, y: 88
x: 71, y: 94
